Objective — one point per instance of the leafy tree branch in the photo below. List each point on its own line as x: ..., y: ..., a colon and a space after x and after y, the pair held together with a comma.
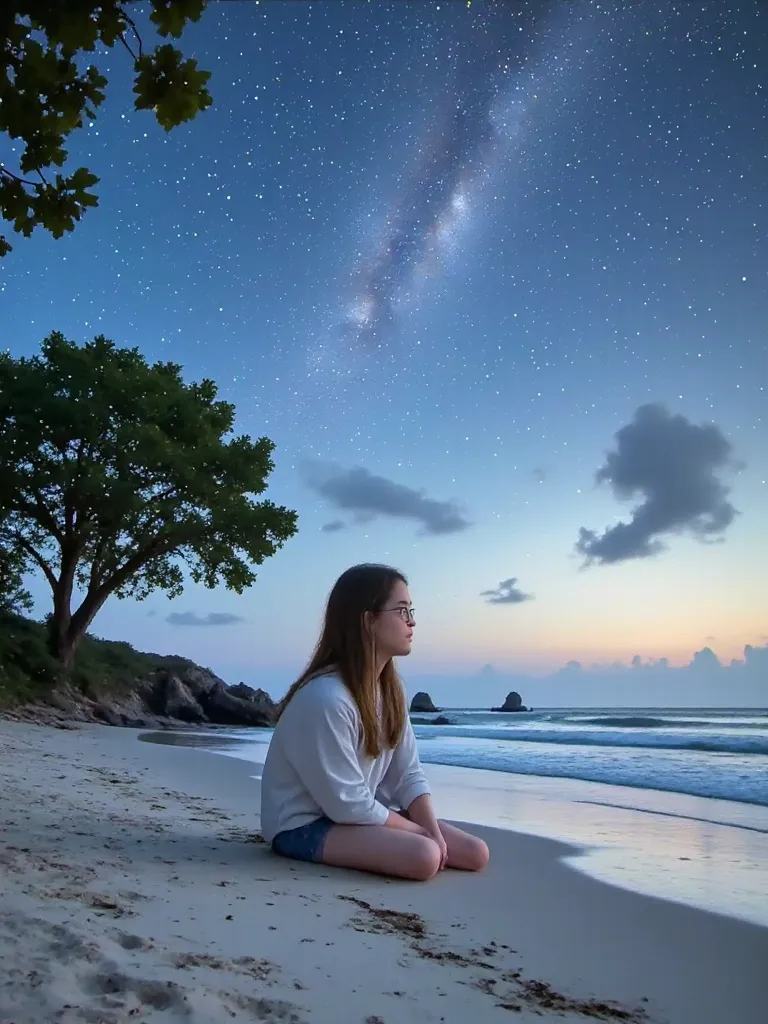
x: 45, y: 95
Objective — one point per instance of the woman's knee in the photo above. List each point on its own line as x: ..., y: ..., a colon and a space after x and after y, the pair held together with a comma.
x: 477, y: 855
x: 423, y: 860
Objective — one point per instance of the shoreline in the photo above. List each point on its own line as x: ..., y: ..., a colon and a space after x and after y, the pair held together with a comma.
x: 634, y: 838
x: 135, y: 885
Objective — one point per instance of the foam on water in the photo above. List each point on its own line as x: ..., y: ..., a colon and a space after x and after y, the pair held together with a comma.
x: 710, y: 753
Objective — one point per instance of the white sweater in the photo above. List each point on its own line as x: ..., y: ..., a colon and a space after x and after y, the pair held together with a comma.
x: 316, y: 765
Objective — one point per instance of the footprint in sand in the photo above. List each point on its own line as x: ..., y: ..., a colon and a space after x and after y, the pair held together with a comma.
x: 56, y: 941
x: 263, y: 1009
x: 133, y: 943
x: 110, y: 982
x: 117, y: 990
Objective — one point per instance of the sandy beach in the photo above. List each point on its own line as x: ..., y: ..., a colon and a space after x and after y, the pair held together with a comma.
x: 135, y: 887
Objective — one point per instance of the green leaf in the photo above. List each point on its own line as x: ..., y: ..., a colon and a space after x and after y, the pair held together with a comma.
x: 171, y: 16
x: 172, y: 87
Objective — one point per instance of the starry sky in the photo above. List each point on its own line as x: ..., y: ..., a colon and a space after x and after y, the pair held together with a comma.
x: 494, y: 279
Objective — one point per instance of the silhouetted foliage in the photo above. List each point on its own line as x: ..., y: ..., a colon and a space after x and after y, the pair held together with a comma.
x: 13, y: 595
x: 46, y: 92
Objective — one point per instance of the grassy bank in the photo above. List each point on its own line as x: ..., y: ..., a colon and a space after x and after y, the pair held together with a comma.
x: 102, y: 667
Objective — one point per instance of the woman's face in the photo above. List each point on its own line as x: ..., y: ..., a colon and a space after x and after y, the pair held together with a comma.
x: 393, y: 627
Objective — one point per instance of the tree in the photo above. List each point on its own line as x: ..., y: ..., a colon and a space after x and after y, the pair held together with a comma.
x: 114, y: 474
x: 45, y: 93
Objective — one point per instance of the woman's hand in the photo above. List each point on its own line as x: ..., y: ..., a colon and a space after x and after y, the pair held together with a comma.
x: 397, y: 821
x: 437, y: 837
x: 422, y: 813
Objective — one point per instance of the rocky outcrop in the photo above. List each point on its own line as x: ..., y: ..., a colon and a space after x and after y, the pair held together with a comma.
x: 440, y: 720
x: 184, y: 695
x: 514, y: 702
x: 178, y: 701
x: 422, y: 703
x: 225, y: 708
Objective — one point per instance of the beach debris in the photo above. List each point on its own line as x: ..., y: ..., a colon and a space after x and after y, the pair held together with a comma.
x: 242, y: 835
x: 396, y: 922
x: 539, y: 995
x: 248, y: 965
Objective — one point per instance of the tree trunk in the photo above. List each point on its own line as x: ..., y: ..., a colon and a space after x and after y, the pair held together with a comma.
x: 59, y: 642
x: 64, y: 650
x: 69, y: 631
x: 62, y: 642
x: 66, y: 630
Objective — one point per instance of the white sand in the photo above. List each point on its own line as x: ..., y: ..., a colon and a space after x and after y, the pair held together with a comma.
x: 132, y: 890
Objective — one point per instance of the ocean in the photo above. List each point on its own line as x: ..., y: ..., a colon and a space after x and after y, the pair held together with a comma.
x: 720, y: 753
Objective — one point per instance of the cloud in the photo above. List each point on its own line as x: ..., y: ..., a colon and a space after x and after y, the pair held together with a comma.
x: 334, y: 526
x: 670, y: 463
x: 704, y: 682
x: 211, y: 619
x: 367, y: 496
x: 507, y: 592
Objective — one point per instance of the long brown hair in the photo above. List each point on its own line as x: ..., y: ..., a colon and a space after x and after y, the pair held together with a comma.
x: 345, y: 647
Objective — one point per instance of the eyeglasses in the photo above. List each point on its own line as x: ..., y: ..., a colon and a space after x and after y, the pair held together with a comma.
x: 408, y: 615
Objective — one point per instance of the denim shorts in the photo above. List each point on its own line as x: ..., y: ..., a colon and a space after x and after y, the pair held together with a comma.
x: 305, y: 842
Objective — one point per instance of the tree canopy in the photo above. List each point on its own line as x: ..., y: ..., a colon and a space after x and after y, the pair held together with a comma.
x: 47, y: 89
x: 14, y: 597
x: 114, y: 475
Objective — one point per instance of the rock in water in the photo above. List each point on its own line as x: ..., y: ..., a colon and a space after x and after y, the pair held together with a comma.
x: 514, y: 702
x: 422, y: 703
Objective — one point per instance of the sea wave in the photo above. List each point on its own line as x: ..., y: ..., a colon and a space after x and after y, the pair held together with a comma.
x: 668, y: 740
x: 692, y: 772
x: 672, y: 722
x: 633, y: 723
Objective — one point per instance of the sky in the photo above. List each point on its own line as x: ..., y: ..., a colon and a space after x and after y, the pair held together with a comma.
x: 494, y: 279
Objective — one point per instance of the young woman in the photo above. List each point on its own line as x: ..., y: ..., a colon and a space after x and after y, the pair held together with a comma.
x: 342, y: 783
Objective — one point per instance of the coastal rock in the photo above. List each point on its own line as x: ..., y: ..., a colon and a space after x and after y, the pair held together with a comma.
x: 184, y: 695
x: 179, y: 701
x: 422, y: 703
x: 226, y: 709
x: 199, y: 681
x: 246, y: 692
x: 114, y: 684
x: 107, y: 713
x: 440, y: 720
x: 66, y: 703
x: 514, y: 702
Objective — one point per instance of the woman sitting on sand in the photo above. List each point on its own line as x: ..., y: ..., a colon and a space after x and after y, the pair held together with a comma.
x: 343, y: 753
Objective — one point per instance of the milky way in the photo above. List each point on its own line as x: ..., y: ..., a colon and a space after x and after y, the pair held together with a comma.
x: 493, y: 79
